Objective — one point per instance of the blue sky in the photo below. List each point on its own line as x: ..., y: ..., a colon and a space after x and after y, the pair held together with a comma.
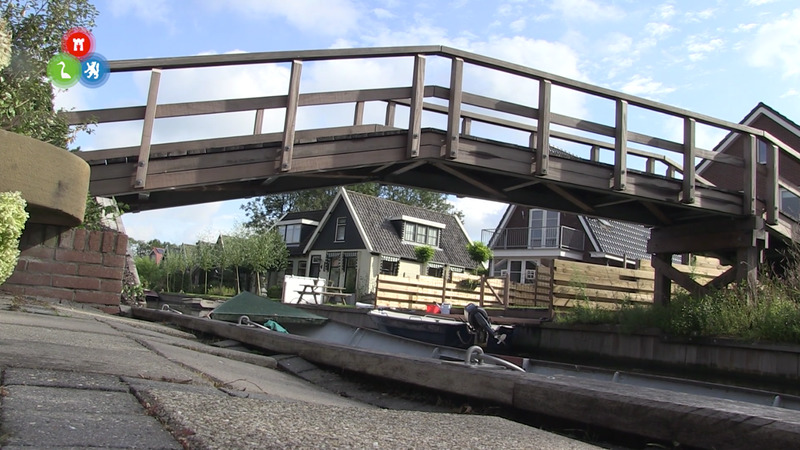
x: 718, y: 58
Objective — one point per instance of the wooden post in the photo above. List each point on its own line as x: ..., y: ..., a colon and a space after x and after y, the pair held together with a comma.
x: 466, y: 126
x: 147, y: 129
x: 551, y: 294
x: 415, y: 115
x: 688, y: 160
x: 650, y: 165
x: 621, y: 146
x: 292, y: 100
x: 507, y: 290
x: 747, y: 270
x: 358, y: 116
x: 390, y: 108
x: 663, y: 284
x: 483, y: 288
x: 773, y: 190
x: 259, y: 123
x: 594, y: 153
x: 444, y: 283
x: 543, y: 129
x: 750, y: 166
x: 454, y: 107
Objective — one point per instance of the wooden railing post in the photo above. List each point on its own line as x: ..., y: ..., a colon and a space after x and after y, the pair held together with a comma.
x: 290, y: 122
x: 773, y: 189
x: 415, y: 115
x: 390, y: 109
x: 147, y: 129
x: 542, y: 157
x: 454, y: 107
x: 621, y: 146
x: 688, y: 160
x: 358, y: 115
x: 259, y: 123
x: 749, y: 198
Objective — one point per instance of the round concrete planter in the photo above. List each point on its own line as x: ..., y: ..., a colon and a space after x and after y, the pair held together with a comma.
x: 52, y: 180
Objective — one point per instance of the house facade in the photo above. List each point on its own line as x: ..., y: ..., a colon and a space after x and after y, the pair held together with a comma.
x: 728, y: 176
x: 526, y: 236
x: 360, y: 236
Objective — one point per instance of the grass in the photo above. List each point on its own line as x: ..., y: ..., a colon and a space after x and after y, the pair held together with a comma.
x: 772, y: 316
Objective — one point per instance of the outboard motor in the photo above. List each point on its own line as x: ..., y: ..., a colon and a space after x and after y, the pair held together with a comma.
x: 478, y: 319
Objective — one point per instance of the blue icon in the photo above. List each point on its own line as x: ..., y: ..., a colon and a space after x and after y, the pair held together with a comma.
x: 94, y: 71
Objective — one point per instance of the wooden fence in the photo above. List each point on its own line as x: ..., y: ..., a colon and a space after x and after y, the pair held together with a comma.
x: 559, y: 284
x: 462, y: 289
x: 608, y: 287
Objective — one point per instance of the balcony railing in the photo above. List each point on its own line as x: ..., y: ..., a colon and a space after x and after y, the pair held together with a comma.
x: 534, y: 238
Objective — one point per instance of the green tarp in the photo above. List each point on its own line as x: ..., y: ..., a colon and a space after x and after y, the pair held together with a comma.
x: 260, y: 310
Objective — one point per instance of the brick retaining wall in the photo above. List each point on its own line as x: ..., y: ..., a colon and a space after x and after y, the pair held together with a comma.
x: 70, y: 264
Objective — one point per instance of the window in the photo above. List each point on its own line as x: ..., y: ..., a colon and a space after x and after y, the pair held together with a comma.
x: 390, y: 265
x: 421, y: 234
x: 301, y: 268
x: 544, y: 228
x: 519, y: 271
x: 761, y: 154
x: 435, y: 270
x: 314, y: 269
x: 290, y: 233
x: 341, y: 222
x: 289, y: 270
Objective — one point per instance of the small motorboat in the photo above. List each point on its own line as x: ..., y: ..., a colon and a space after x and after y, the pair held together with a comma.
x: 437, y: 329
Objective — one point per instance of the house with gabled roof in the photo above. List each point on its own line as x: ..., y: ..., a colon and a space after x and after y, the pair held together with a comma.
x: 360, y: 236
x: 296, y: 229
x: 526, y: 236
x: 729, y: 176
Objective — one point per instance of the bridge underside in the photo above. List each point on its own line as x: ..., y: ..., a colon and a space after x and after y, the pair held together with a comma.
x: 230, y: 168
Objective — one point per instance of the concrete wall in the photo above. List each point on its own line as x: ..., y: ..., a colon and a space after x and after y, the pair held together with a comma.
x: 70, y: 264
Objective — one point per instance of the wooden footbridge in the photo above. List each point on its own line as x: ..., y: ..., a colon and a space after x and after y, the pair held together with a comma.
x: 441, y: 144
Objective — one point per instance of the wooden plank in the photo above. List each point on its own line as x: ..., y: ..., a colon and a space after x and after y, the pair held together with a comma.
x: 569, y: 197
x: 415, y: 115
x: 454, y: 107
x: 689, y: 137
x: 480, y: 185
x: 358, y: 115
x: 147, y: 130
x: 621, y: 146
x: 290, y: 122
x: 542, y: 159
x: 259, y: 122
x: 773, y: 193
x: 749, y: 182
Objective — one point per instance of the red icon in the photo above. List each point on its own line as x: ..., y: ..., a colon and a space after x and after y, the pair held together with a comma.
x: 78, y: 42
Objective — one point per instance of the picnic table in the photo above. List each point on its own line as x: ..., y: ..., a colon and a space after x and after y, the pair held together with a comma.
x: 320, y: 297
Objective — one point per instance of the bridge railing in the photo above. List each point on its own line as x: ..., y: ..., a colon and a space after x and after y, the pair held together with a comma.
x: 610, y: 144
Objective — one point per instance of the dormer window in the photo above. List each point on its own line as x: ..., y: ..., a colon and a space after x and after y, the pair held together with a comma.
x: 290, y: 233
x: 420, y: 231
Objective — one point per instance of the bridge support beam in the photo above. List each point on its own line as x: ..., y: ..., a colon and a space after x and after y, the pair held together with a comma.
x: 739, y: 242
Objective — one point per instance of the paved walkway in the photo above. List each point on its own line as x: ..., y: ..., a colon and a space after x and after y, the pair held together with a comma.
x: 75, y: 378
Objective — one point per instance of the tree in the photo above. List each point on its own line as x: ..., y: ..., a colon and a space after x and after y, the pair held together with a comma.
x: 26, y: 96
x: 263, y: 212
x: 479, y: 253
x: 204, y: 259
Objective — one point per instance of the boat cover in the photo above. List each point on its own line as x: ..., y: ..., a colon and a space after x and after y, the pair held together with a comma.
x: 261, y: 309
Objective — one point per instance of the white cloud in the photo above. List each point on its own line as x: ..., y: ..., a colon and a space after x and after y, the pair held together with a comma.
x: 184, y: 224
x: 148, y: 10
x: 658, y: 29
x: 478, y: 214
x: 645, y: 87
x: 699, y: 47
x: 744, y: 27
x: 777, y: 45
x: 383, y: 13
x: 587, y: 10
x: 518, y: 25
x: 330, y: 17
x: 665, y: 11
x: 791, y: 93
x: 699, y: 16
x: 759, y: 2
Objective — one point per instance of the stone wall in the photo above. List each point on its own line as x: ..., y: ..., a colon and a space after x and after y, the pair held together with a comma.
x: 70, y: 264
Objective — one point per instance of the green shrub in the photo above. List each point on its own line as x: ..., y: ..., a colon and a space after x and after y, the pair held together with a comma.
x: 424, y: 253
x: 12, y: 221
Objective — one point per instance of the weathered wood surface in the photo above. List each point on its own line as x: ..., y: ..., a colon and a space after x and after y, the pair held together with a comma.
x: 690, y: 420
x: 464, y: 162
x: 599, y: 286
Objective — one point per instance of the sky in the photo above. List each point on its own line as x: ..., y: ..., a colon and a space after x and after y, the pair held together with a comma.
x: 714, y: 57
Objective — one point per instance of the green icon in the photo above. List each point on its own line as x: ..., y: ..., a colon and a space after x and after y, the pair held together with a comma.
x: 64, y: 70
